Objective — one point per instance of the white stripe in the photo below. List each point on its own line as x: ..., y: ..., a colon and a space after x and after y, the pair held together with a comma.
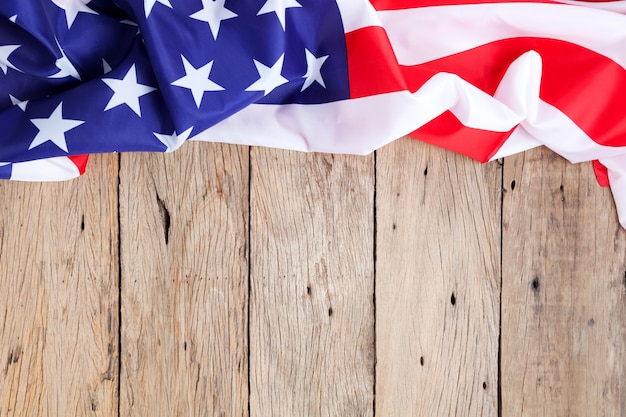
x: 50, y: 169
x: 559, y: 133
x: 356, y: 14
x: 424, y: 34
x: 553, y: 129
x: 354, y: 127
x: 519, y: 141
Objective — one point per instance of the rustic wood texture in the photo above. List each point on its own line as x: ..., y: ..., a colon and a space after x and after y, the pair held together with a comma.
x: 563, y: 292
x: 184, y: 266
x: 437, y: 282
x: 59, y: 295
x: 312, y: 280
x: 289, y: 284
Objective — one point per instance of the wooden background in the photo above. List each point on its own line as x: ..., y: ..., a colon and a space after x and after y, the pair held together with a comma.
x: 224, y: 281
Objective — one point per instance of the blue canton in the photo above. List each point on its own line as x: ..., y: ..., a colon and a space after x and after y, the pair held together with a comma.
x: 145, y: 75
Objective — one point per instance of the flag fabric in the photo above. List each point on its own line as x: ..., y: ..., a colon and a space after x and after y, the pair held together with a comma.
x: 485, y: 78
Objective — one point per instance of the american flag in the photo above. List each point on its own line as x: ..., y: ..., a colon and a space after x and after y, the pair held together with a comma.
x: 485, y: 78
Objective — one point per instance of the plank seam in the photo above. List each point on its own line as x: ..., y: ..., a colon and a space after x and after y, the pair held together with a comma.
x: 502, y: 191
x: 119, y: 289
x: 374, y: 289
x: 249, y: 252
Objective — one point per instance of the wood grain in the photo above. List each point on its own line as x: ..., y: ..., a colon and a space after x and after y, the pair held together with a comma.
x: 437, y: 282
x: 326, y: 338
x: 184, y: 266
x: 59, y: 295
x: 311, y: 307
x: 564, y: 295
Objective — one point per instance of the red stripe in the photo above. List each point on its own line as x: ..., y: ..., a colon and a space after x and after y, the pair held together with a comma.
x: 446, y: 131
x: 80, y: 161
x: 372, y: 65
x: 412, y: 4
x: 373, y: 68
x: 602, y: 174
x: 586, y: 86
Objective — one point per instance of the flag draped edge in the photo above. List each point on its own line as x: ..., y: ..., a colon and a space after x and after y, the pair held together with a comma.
x: 485, y: 78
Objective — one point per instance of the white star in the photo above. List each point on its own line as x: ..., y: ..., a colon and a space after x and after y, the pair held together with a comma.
x: 173, y: 141
x: 72, y: 8
x: 270, y: 76
x: 197, y: 80
x: 17, y: 102
x: 53, y: 128
x: 13, y: 18
x: 213, y: 12
x: 5, y: 51
x: 127, y: 91
x: 278, y: 7
x: 65, y: 66
x: 149, y: 4
x: 313, y: 68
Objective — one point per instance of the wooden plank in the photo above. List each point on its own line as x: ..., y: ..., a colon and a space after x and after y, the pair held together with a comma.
x: 563, y: 292
x: 437, y: 282
x: 311, y: 307
x: 59, y: 295
x: 184, y: 233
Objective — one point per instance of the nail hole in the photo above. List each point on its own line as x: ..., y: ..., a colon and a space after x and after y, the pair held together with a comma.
x: 422, y: 360
x: 512, y: 185
x: 535, y: 284
x: 330, y: 312
x: 453, y: 299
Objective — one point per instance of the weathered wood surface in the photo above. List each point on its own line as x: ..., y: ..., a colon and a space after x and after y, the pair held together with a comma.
x: 437, y: 282
x: 563, y: 292
x: 184, y: 265
x: 58, y: 296
x: 312, y: 279
x: 286, y: 284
